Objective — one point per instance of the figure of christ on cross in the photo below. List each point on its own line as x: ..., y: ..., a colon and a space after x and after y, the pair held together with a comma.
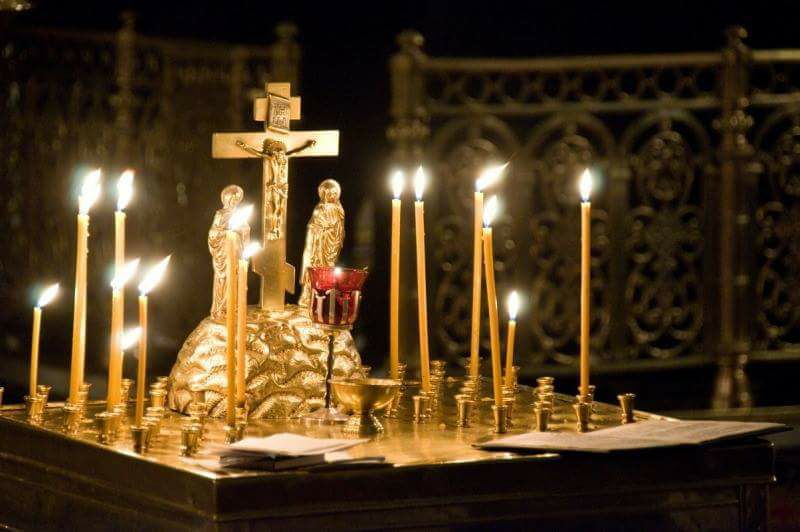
x: 278, y: 144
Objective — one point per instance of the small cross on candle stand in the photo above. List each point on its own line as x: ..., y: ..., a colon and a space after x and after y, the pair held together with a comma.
x: 121, y: 278
x: 488, y: 177
x: 585, y: 186
x: 513, y: 308
x: 90, y: 191
x: 422, y: 290
x: 241, y: 322
x: 149, y: 282
x: 398, y: 182
x: 491, y: 299
x: 48, y: 294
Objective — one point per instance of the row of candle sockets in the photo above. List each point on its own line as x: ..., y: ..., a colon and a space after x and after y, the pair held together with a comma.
x: 543, y: 405
x: 483, y: 261
x: 121, y: 339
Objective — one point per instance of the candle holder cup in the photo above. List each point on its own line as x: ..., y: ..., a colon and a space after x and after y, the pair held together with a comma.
x: 626, y: 401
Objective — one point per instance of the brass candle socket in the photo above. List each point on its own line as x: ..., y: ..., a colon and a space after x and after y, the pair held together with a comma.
x: 421, y: 405
x: 231, y: 434
x: 153, y: 423
x: 583, y: 412
x: 115, y: 421
x: 140, y: 435
x: 364, y: 397
x: 158, y: 397
x: 198, y: 411
x: 542, y: 415
x: 33, y: 409
x: 626, y: 401
x: 500, y: 414
x: 545, y: 381
x: 465, y: 405
x: 44, y: 391
x: 125, y: 390
x: 393, y: 410
x: 190, y: 436
x: 508, y: 402
x: 73, y: 415
x: 105, y: 427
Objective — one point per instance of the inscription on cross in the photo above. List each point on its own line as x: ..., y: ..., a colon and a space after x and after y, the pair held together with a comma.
x: 275, y: 146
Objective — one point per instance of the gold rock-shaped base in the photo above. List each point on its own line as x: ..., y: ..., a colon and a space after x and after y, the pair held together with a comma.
x: 286, y: 357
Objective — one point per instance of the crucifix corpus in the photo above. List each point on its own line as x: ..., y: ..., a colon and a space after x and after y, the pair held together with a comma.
x: 274, y: 146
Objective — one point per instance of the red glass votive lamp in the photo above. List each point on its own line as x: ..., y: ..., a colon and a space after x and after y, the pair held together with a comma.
x: 336, y: 295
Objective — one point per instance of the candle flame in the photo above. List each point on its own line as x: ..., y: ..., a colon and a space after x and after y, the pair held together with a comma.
x: 513, y: 305
x: 130, y: 337
x: 124, y: 189
x: 251, y: 249
x: 490, y: 210
x: 490, y: 176
x: 398, y: 183
x: 90, y: 191
x: 585, y: 185
x: 123, y: 276
x: 152, y: 277
x: 420, y: 180
x: 48, y: 295
x: 240, y: 217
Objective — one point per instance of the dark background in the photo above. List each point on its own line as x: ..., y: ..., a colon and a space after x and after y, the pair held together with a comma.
x: 345, y: 82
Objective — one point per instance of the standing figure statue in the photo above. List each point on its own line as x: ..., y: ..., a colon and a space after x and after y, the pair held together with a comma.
x: 276, y: 186
x: 231, y: 196
x: 325, y: 235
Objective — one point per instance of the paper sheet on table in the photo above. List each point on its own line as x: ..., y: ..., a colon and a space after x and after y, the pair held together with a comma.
x: 287, y: 444
x: 640, y: 435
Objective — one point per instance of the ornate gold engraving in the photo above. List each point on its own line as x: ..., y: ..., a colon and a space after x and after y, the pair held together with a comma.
x: 285, y: 360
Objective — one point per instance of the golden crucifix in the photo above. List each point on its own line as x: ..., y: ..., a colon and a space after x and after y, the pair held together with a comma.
x: 274, y: 146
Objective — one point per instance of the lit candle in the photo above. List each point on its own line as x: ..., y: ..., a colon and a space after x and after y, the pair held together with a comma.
x: 513, y: 307
x: 491, y: 299
x: 47, y: 296
x: 115, y: 351
x: 398, y: 182
x: 488, y: 177
x: 149, y: 282
x: 124, y: 194
x: 422, y: 292
x: 90, y: 191
x: 241, y: 323
x: 232, y: 245
x: 586, y: 268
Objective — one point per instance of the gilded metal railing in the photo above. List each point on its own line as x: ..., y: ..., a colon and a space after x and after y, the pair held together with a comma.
x: 694, y: 255
x: 120, y: 100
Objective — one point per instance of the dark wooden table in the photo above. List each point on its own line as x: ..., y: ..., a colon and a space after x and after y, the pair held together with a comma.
x: 52, y: 481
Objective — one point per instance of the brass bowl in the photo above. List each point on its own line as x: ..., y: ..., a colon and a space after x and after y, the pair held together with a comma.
x: 364, y: 397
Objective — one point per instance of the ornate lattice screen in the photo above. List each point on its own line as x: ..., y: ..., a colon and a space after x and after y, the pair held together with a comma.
x: 694, y: 255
